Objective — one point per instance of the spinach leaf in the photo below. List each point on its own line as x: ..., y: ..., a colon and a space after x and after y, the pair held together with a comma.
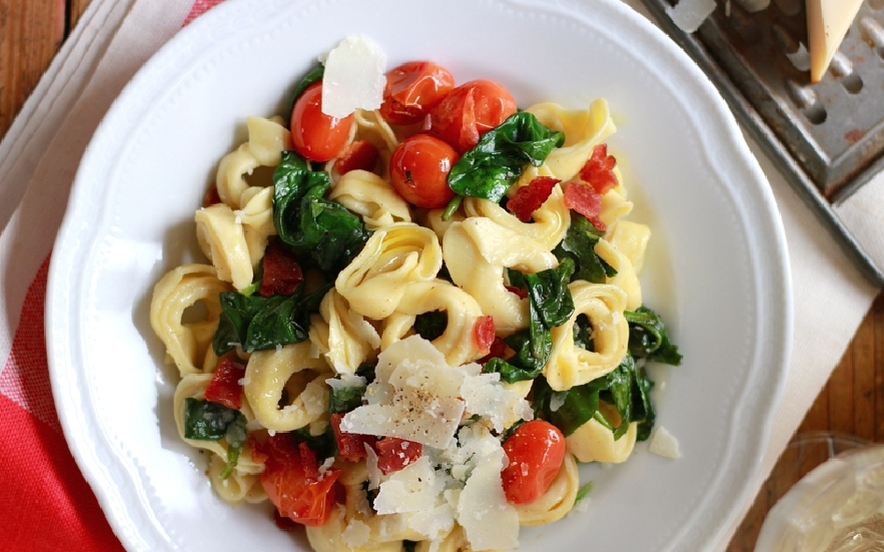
x: 567, y: 410
x: 582, y: 492
x: 325, y: 230
x: 496, y: 162
x: 324, y: 444
x: 256, y: 323
x: 549, y: 305
x: 579, y: 245
x: 209, y: 421
x: 314, y: 75
x: 648, y: 338
x: 344, y: 398
x: 627, y: 388
x: 431, y: 325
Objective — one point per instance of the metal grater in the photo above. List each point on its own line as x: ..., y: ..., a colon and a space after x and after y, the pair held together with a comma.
x: 827, y: 138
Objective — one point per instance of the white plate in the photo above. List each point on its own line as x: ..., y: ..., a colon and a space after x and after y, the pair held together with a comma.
x: 717, y: 269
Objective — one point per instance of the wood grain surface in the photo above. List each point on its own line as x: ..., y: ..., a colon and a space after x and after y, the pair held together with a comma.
x: 850, y: 405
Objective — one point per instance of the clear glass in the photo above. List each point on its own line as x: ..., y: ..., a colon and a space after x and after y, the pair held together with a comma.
x: 835, y: 497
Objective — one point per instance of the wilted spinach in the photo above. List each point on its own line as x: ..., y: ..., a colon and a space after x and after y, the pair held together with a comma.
x: 496, y: 162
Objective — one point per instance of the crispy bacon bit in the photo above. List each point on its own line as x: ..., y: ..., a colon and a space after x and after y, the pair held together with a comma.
x: 224, y: 387
x: 359, y: 154
x: 394, y: 453
x: 483, y: 333
x: 498, y: 349
x: 598, y: 171
x: 529, y: 198
x: 211, y: 196
x: 522, y: 291
x: 351, y: 446
x: 282, y: 273
x: 585, y: 200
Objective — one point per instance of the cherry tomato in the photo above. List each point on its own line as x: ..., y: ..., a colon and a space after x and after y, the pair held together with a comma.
x: 469, y: 111
x: 535, y: 450
x: 315, y: 135
x: 294, y: 484
x: 394, y: 453
x: 413, y: 89
x: 419, y: 170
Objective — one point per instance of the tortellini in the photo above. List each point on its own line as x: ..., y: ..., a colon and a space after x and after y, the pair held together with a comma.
x: 414, y: 263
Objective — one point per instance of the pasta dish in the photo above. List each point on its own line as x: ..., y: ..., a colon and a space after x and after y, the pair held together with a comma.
x: 415, y: 319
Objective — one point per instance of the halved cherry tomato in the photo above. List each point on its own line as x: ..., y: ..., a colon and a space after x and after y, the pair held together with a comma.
x: 224, y: 387
x: 535, y: 450
x: 413, y: 89
x: 315, y: 135
x: 294, y: 484
x: 394, y: 453
x: 469, y: 111
x: 357, y: 155
x: 419, y: 170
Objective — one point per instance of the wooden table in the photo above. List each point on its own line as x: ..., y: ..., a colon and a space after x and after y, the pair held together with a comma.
x: 852, y: 403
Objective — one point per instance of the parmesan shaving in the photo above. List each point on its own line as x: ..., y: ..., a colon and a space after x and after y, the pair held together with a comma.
x: 688, y: 15
x: 354, y: 77
x: 664, y: 444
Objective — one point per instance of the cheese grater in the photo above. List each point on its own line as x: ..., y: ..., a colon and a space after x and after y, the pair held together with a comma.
x: 827, y: 139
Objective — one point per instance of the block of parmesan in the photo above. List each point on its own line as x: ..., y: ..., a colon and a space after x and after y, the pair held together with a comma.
x: 827, y: 24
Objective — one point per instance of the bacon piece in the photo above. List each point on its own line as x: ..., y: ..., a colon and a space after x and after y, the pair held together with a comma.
x: 598, y: 171
x: 585, y: 200
x: 359, y: 154
x: 224, y: 387
x: 211, y: 196
x: 528, y: 199
x: 483, y: 333
x: 282, y: 273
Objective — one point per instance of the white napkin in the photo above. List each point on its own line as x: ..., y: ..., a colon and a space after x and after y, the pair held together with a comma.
x: 40, y: 154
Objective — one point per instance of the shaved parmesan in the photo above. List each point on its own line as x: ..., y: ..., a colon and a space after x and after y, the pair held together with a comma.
x: 354, y: 77
x: 488, y: 520
x: 486, y: 396
x: 688, y: 15
x: 664, y: 444
x: 415, y: 396
x: 414, y: 488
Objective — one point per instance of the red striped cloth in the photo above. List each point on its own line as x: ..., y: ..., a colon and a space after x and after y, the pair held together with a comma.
x: 45, y: 503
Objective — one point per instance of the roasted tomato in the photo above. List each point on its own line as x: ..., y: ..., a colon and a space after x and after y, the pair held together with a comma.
x: 469, y: 111
x: 419, y: 170
x: 315, y: 135
x: 536, y: 450
x: 294, y: 483
x: 413, y: 89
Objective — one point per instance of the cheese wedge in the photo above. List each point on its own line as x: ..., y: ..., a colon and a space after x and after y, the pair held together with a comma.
x: 827, y: 24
